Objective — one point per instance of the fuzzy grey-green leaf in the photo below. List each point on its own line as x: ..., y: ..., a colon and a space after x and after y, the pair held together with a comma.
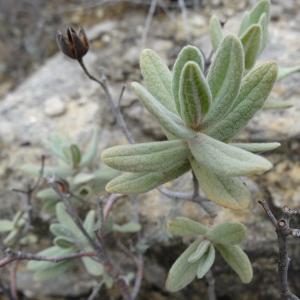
x: 91, y: 150
x: 224, y: 159
x: 264, y: 22
x: 228, y: 233
x: 6, y: 225
x: 224, y: 78
x: 255, y: 89
x: 199, y: 252
x: 215, y: 31
x: 206, y: 262
x: 158, y: 78
x: 194, y: 95
x: 134, y: 183
x: 154, y: 156
x: 238, y: 260
x: 226, y: 191
x: 93, y: 267
x: 188, y: 53
x: 182, y: 272
x: 168, y: 120
x: 285, y: 72
x: 186, y: 227
x: 251, y: 41
x: 257, y: 147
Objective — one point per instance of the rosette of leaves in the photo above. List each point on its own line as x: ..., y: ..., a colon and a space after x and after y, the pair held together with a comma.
x: 75, y: 166
x: 69, y: 239
x: 200, y: 114
x: 199, y: 257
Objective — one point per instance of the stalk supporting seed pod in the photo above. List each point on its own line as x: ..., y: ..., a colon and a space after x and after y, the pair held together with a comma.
x: 73, y: 44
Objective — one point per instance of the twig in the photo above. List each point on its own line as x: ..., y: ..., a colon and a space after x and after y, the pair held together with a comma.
x: 13, y: 280
x: 95, y: 291
x: 211, y: 285
x: 114, y: 108
x: 13, y: 256
x: 283, y: 230
x: 148, y: 23
x: 139, y: 276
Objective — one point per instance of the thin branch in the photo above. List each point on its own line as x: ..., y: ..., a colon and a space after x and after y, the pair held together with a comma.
x: 211, y: 285
x: 95, y: 291
x: 13, y: 256
x: 13, y: 280
x: 114, y: 108
x: 283, y: 230
x: 138, y: 277
x: 148, y: 22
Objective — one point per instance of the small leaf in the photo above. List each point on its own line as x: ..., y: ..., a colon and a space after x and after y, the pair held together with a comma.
x: 155, y: 156
x: 53, y: 271
x: 75, y: 155
x: 226, y: 160
x: 199, y: 252
x: 251, y: 41
x: 133, y: 183
x: 127, y: 228
x: 215, y: 31
x: 194, y: 95
x: 238, y: 260
x: 229, y: 233
x: 255, y: 89
x: 257, y: 147
x: 277, y: 105
x: 264, y: 22
x: 168, y: 120
x: 188, y: 53
x: 224, y: 78
x: 182, y: 272
x: 285, y: 72
x: 186, y: 227
x: 226, y: 191
x: 91, y: 151
x: 48, y: 194
x: 93, y: 267
x: 61, y: 230
x: 6, y: 225
x: 89, y: 223
x: 206, y: 262
x: 63, y: 243
x: 158, y: 78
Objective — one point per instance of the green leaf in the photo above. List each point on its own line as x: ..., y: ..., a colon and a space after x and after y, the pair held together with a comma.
x: 168, y: 120
x: 75, y: 155
x: 194, y: 95
x: 134, y: 183
x: 224, y: 78
x: 245, y: 23
x: 255, y: 89
x: 257, y: 147
x: 53, y: 271
x: 215, y: 32
x: 285, y: 72
x: 127, y: 228
x: 277, y: 105
x: 49, y: 252
x: 6, y: 225
x: 158, y: 78
x: 206, y: 262
x: 155, y: 156
x: 199, y: 252
x: 228, y: 233
x: 89, y: 222
x: 91, y: 151
x: 93, y: 267
x: 63, y: 243
x: 61, y: 230
x: 226, y: 191
x: 238, y: 260
x: 59, y: 171
x: 64, y: 218
x: 224, y: 159
x: 251, y: 41
x: 186, y: 227
x: 264, y: 22
x: 187, y: 54
x: 48, y: 194
x: 182, y: 272
x: 57, y: 145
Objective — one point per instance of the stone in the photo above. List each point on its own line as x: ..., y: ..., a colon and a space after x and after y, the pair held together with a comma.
x: 55, y: 107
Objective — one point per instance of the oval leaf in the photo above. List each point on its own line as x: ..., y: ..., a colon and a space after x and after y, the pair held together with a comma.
x: 229, y: 233
x: 226, y: 191
x: 257, y: 147
x: 155, y: 156
x: 215, y: 32
x: 255, y: 89
x: 238, y: 260
x: 186, y: 227
x: 188, y: 53
x: 168, y: 120
x: 93, y: 267
x: 158, y: 78
x: 182, y: 272
x: 224, y: 78
x: 194, y: 95
x: 199, y: 252
x: 225, y: 159
x: 206, y: 262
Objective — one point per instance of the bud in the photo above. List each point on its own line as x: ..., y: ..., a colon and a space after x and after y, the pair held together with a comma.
x: 73, y: 44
